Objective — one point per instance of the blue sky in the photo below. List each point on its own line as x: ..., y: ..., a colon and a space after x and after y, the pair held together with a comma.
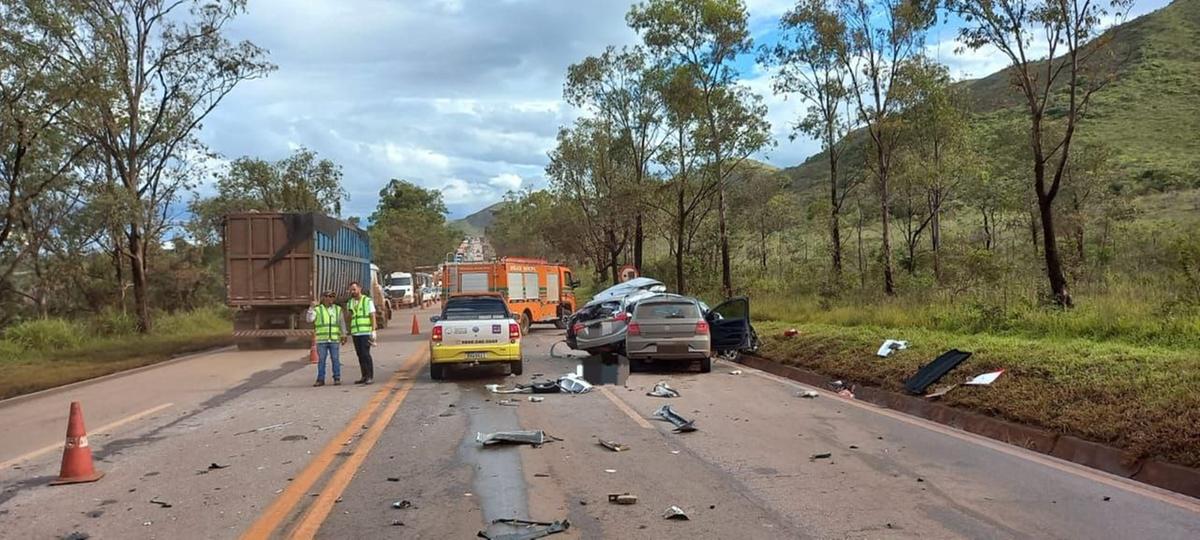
x: 463, y: 96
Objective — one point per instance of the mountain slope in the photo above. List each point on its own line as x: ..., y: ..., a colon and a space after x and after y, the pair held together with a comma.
x: 476, y: 224
x: 1149, y: 115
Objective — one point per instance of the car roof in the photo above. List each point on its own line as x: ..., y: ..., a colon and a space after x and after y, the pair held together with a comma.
x: 668, y: 298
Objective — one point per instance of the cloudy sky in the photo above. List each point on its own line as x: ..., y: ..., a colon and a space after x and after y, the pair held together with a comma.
x: 463, y: 96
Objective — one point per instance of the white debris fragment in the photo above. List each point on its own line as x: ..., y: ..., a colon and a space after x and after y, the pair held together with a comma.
x: 985, y: 379
x: 890, y: 345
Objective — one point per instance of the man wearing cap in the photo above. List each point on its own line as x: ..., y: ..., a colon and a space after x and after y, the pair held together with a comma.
x: 360, y: 310
x: 330, y: 326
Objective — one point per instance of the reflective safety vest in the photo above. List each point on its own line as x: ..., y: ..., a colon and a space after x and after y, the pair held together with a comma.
x: 328, y: 322
x: 360, y: 315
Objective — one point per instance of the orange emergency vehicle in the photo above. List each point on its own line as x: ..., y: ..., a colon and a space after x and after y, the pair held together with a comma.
x: 537, y: 291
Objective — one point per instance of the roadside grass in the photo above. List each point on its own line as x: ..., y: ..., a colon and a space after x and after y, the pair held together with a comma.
x: 1144, y: 399
x: 41, y: 354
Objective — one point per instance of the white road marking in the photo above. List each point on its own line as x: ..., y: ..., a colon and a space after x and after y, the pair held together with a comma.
x: 107, y: 427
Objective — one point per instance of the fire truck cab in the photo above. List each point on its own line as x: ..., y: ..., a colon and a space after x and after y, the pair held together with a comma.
x: 536, y: 291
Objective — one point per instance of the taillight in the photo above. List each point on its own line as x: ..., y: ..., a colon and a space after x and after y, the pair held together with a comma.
x: 437, y: 333
x: 514, y: 331
x: 701, y: 328
x: 577, y: 328
x: 621, y: 316
x: 633, y: 329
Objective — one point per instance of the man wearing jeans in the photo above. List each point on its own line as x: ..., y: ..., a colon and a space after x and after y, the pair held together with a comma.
x: 330, y: 327
x: 360, y: 310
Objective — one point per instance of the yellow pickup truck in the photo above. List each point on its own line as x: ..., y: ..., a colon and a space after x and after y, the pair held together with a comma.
x: 474, y: 329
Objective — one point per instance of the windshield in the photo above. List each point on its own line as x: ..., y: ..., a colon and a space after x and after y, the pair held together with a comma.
x: 471, y: 309
x: 400, y: 281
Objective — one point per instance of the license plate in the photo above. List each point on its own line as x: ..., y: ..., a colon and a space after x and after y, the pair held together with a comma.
x: 476, y: 355
x: 672, y: 349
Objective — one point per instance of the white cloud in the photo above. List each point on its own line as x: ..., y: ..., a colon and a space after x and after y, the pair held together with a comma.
x: 506, y: 181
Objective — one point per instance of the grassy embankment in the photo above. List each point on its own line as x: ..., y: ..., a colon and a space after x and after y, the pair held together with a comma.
x: 40, y: 354
x: 1108, y: 371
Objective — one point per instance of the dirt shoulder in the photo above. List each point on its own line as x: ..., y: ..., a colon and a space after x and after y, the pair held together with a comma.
x: 1143, y: 400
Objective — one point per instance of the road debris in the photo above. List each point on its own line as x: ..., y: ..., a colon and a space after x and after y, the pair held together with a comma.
x: 939, y: 392
x: 535, y: 438
x: 544, y: 387
x: 675, y: 512
x: 736, y: 372
x: 547, y: 528
x: 790, y: 333
x: 402, y: 505
x: 682, y: 425
x: 622, y: 498
x: 77, y: 535
x: 289, y: 438
x: 572, y: 383
x: 497, y: 389
x: 610, y: 471
x: 214, y: 466
x: 822, y: 455
x: 808, y: 394
x: 536, y: 399
x: 985, y: 379
x: 265, y: 428
x: 890, y: 345
x: 613, y: 445
x: 935, y: 370
x: 397, y: 523
x: 662, y: 389
x: 393, y: 479
x: 507, y: 403
x: 163, y: 504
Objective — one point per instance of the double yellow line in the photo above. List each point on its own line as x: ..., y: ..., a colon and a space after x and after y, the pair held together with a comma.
x: 286, y: 503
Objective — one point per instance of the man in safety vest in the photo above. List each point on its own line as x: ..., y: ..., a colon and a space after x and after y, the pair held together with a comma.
x: 330, y: 325
x: 360, y: 311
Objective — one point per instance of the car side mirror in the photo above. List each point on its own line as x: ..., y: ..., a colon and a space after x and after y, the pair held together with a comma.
x: 434, y: 319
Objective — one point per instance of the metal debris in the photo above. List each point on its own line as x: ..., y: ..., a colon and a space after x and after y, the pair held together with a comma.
x: 536, y: 399
x: 736, y: 372
x: 572, y: 383
x: 214, y: 466
x: 682, y: 425
x: 402, y: 505
x: 77, y: 535
x: 822, y: 455
x: 808, y: 394
x: 497, y: 389
x: 530, y: 533
x: 290, y: 438
x: 507, y: 403
x: 662, y: 389
x: 890, y: 345
x: 535, y: 438
x: 163, y: 504
x: 613, y: 445
x: 675, y: 512
x: 622, y: 498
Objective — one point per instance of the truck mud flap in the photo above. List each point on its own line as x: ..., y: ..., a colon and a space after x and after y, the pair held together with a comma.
x: 935, y: 370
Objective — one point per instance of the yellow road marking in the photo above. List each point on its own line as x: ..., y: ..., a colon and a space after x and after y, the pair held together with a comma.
x: 1131, y: 486
x: 625, y: 408
x: 106, y: 427
x: 333, y: 489
x: 298, y: 488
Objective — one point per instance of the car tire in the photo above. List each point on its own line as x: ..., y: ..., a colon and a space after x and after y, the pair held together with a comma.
x: 516, y: 368
x: 730, y: 356
x: 706, y: 365
x: 437, y: 372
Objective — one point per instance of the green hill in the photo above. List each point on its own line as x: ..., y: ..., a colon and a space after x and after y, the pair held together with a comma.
x: 476, y: 224
x: 1149, y: 114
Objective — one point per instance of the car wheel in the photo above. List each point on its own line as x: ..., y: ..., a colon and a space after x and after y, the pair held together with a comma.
x: 437, y: 372
x: 706, y: 365
x: 730, y: 356
x: 516, y: 368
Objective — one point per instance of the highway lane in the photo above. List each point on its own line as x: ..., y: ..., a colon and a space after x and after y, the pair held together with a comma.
x: 349, y: 453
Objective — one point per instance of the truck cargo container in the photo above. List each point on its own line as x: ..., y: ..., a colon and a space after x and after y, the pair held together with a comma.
x: 278, y: 264
x: 536, y: 291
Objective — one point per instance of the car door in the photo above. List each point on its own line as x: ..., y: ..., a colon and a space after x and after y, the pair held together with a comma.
x: 729, y: 325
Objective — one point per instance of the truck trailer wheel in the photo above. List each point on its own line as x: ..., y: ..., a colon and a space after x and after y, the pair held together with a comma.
x: 526, y: 322
x: 437, y: 372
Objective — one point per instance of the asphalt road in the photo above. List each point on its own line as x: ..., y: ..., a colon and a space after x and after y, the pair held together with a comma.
x: 330, y: 462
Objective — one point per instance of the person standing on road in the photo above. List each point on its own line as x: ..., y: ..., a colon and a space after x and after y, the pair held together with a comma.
x: 329, y: 323
x: 360, y: 310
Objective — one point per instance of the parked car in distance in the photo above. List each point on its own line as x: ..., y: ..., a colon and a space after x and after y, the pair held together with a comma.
x: 474, y: 329
x: 605, y: 329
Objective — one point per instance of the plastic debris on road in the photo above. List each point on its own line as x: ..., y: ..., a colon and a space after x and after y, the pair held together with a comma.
x: 402, y: 505
x: 537, y: 399
x: 163, y: 504
x: 573, y: 383
x: 613, y: 445
x: 507, y: 403
x: 622, y: 498
x: 890, y: 345
x: 736, y: 372
x: 822, y: 455
x: 675, y: 512
x: 497, y: 389
x: 808, y: 394
x: 985, y: 379
x: 662, y: 389
x: 682, y: 425
x: 533, y: 529
x: 934, y: 371
x: 535, y: 438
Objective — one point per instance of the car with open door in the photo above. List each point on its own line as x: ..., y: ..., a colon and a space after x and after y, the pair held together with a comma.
x: 669, y: 328
x: 730, y: 328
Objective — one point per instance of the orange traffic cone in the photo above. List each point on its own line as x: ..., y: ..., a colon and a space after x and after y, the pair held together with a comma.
x: 77, y: 456
x: 416, y: 329
x: 312, y: 351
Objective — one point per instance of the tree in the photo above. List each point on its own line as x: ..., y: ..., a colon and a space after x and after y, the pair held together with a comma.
x: 881, y: 37
x: 538, y: 224
x: 409, y: 228
x: 1063, y: 82
x: 621, y: 86
x: 705, y: 37
x: 163, y: 67
x: 809, y: 58
x: 298, y: 183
